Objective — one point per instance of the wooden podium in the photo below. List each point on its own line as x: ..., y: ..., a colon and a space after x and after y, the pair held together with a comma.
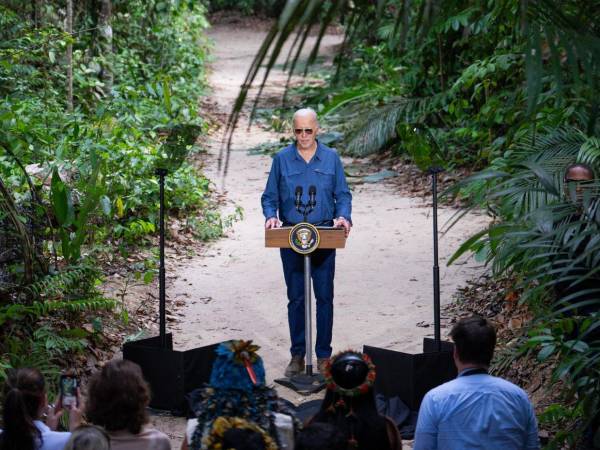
x: 330, y: 237
x: 304, y: 239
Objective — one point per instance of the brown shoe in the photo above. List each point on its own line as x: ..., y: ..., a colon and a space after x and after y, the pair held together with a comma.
x: 295, y: 366
x: 322, y: 364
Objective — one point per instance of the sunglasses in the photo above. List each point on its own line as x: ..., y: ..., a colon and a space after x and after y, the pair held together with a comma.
x: 299, y: 131
x: 571, y: 180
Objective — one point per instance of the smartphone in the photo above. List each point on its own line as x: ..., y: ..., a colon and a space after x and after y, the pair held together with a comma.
x: 68, y: 390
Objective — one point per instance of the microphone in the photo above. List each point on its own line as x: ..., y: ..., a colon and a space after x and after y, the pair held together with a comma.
x: 298, y: 201
x: 312, y: 193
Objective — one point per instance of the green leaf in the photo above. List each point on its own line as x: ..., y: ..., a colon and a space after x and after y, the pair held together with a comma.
x: 469, y: 244
x: 546, y: 351
x: 541, y: 338
x: 167, y: 96
x: 148, y: 276
x: 533, y: 66
x: 97, y: 324
x: 61, y: 200
x: 577, y: 346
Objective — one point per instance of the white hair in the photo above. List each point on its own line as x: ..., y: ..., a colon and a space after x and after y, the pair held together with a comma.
x: 88, y: 437
x: 306, y: 112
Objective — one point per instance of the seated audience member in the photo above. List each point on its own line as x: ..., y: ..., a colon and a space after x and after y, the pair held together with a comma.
x: 88, y: 437
x: 476, y: 410
x: 349, y: 404
x: 237, y: 389
x: 25, y: 402
x: 117, y: 399
x: 321, y: 436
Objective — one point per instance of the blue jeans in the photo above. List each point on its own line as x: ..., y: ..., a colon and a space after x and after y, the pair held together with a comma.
x: 322, y: 271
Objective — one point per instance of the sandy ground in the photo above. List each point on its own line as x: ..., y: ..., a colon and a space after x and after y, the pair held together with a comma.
x: 383, y: 278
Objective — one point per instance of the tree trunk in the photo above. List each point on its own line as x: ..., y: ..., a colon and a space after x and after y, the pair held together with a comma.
x: 7, y: 204
x: 405, y: 24
x: 70, y: 56
x: 427, y: 16
x: 37, y: 12
x: 106, y: 34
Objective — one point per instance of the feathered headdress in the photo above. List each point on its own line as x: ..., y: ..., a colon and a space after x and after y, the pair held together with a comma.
x: 236, y: 388
x: 237, y: 366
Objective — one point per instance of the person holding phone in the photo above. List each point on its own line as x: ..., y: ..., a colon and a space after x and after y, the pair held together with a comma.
x: 25, y: 403
x: 69, y: 386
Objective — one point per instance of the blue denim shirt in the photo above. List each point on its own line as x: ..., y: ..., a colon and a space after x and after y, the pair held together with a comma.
x: 324, y: 171
x: 476, y: 412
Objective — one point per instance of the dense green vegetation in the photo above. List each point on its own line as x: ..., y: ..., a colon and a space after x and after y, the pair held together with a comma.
x: 269, y: 8
x: 94, y: 95
x: 509, y: 89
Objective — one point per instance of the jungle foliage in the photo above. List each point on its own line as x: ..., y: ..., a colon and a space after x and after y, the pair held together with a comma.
x: 508, y: 88
x: 94, y: 96
x: 270, y: 8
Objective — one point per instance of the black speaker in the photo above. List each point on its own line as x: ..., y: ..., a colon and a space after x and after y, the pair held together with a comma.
x: 171, y: 374
x: 410, y: 376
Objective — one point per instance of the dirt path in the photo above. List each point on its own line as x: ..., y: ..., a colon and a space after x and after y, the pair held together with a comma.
x: 383, y: 277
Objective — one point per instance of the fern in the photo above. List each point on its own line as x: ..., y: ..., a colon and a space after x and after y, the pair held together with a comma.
x: 74, y: 279
x: 380, y: 126
x: 379, y: 129
x: 82, y: 305
x: 36, y: 310
x: 57, y: 345
x: 568, y: 32
x: 536, y: 239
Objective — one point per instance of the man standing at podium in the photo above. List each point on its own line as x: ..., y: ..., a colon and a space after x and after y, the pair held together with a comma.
x: 303, y: 164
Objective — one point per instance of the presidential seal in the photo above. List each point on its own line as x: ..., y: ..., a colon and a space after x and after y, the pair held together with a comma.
x: 304, y: 238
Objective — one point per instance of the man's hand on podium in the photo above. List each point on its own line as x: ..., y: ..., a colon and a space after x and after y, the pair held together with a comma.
x: 273, y: 222
x: 341, y: 222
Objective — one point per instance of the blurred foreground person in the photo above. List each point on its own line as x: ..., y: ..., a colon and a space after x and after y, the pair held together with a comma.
x: 118, y: 397
x: 88, y: 437
x: 349, y: 404
x: 321, y: 436
x: 25, y: 402
x: 476, y: 410
x: 237, y: 397
x: 235, y: 433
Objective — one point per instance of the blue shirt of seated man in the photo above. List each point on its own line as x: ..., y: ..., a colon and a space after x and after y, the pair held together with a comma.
x: 476, y: 412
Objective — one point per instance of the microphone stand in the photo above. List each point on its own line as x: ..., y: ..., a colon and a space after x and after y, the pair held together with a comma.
x: 161, y: 270
x: 305, y: 210
x: 436, y: 269
x: 410, y: 376
x: 308, y: 382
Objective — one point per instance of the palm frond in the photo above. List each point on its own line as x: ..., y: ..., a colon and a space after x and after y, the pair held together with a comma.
x: 569, y: 31
x: 298, y: 17
x: 380, y: 126
x: 378, y: 130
